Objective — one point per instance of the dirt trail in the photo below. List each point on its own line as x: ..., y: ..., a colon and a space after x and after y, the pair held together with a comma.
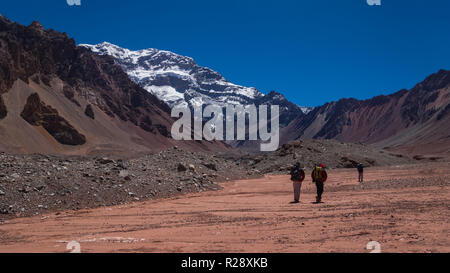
x: 405, y: 209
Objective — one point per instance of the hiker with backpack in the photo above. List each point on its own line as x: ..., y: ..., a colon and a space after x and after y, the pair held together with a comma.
x: 297, y: 176
x: 319, y: 176
x: 360, y: 168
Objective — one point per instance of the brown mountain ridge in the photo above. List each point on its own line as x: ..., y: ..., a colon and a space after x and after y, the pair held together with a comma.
x: 415, y: 121
x: 58, y: 98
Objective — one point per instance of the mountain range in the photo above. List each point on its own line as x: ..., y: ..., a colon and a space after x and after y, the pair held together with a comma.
x: 177, y: 79
x: 57, y: 97
x: 399, y: 121
x: 415, y: 121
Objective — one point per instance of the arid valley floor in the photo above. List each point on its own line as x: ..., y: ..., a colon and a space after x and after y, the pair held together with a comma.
x: 405, y: 208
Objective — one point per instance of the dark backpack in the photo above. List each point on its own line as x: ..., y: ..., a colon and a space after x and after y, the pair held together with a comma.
x: 360, y: 167
x: 297, y: 174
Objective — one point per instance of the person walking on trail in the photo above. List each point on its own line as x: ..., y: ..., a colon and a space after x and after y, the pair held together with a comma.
x: 360, y: 168
x: 319, y: 176
x: 297, y: 177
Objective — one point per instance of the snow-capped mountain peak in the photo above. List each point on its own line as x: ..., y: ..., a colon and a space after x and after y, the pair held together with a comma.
x: 176, y: 79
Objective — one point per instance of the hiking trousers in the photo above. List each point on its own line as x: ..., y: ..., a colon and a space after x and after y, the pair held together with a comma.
x: 297, y: 187
x: 319, y: 186
x: 360, y: 177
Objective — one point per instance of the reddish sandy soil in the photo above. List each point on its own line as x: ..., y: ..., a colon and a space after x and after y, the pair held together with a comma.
x: 404, y: 208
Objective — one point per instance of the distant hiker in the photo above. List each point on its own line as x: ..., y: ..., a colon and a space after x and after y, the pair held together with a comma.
x: 360, y: 168
x: 319, y: 176
x: 297, y: 176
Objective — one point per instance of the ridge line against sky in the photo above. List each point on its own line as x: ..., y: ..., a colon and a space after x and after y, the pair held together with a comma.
x: 310, y: 51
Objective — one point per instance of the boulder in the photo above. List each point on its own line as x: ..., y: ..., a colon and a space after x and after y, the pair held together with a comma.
x: 210, y: 166
x: 181, y: 167
x: 89, y: 111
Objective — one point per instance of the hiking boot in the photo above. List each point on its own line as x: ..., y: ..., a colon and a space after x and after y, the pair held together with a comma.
x: 318, y: 199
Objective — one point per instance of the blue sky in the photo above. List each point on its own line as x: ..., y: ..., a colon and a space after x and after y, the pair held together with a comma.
x: 312, y: 51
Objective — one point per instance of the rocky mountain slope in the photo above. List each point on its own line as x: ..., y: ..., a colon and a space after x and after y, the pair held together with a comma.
x: 414, y: 121
x: 56, y: 97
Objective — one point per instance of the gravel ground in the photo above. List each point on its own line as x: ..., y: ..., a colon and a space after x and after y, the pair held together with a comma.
x: 32, y: 184
x: 256, y: 215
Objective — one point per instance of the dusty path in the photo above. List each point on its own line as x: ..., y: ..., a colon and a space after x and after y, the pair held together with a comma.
x: 403, y: 215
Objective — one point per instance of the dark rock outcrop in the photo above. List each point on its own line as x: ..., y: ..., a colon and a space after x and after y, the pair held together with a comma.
x: 36, y: 113
x: 89, y: 111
